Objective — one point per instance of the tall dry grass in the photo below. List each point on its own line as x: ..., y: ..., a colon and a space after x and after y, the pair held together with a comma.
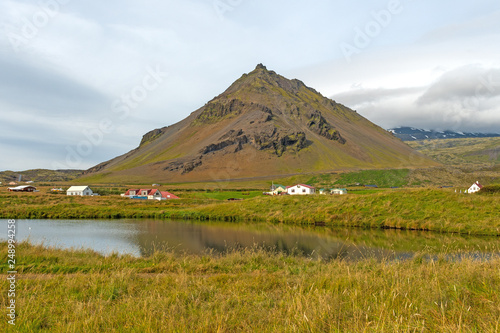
x: 252, y: 291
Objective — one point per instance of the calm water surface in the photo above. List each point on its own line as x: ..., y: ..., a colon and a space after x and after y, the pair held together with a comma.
x: 142, y: 237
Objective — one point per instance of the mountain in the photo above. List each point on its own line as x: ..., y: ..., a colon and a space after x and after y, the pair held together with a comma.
x: 39, y: 175
x: 412, y: 134
x: 262, y: 125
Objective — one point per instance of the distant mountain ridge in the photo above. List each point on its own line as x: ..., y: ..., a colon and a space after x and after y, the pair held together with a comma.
x: 414, y: 134
x: 39, y: 175
x: 262, y: 125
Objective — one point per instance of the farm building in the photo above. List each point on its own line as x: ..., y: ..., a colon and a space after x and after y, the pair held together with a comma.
x: 24, y: 188
x: 276, y: 189
x: 80, y: 190
x: 338, y: 191
x: 300, y: 189
x: 476, y: 187
x: 148, y: 194
x: 333, y: 191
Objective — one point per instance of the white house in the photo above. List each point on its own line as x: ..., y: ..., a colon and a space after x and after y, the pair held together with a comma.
x: 300, y: 189
x: 476, y: 187
x: 79, y: 190
x: 338, y: 191
x: 276, y: 189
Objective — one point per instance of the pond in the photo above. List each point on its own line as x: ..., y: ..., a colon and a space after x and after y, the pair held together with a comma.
x: 143, y: 237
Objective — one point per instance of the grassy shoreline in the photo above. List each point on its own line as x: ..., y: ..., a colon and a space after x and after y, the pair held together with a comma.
x: 415, y: 209
x: 249, y: 290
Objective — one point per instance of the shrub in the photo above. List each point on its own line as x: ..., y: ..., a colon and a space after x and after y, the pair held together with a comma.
x: 491, y: 189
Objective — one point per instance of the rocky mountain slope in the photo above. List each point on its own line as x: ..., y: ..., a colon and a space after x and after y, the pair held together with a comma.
x: 262, y: 125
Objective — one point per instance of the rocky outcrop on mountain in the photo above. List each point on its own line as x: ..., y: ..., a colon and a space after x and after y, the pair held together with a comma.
x: 151, y: 136
x: 184, y: 166
x: 229, y: 139
x: 216, y: 110
x: 273, y: 139
x: 319, y: 125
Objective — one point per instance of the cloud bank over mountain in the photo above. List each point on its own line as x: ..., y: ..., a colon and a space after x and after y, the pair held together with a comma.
x: 68, y: 67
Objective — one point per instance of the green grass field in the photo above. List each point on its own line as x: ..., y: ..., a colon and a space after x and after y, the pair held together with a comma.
x: 440, y: 210
x: 381, y: 178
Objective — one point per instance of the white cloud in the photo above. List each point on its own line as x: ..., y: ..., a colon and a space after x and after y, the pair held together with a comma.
x: 419, y: 70
x: 463, y: 99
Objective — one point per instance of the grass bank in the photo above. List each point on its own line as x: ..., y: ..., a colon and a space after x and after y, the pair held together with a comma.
x: 419, y: 209
x: 249, y: 291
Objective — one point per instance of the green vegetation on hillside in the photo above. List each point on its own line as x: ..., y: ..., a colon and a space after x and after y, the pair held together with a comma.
x: 39, y: 175
x: 490, y: 190
x: 381, y: 178
x: 252, y: 291
x: 477, y: 153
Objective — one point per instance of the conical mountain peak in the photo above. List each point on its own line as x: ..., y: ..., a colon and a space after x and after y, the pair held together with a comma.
x: 261, y: 66
x: 263, y: 124
x: 264, y: 81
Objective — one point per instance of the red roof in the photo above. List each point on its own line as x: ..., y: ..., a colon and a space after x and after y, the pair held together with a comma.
x: 139, y: 191
x: 132, y: 189
x: 308, y: 186
x: 479, y: 185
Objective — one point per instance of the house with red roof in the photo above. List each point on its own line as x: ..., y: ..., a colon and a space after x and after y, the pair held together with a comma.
x: 300, y: 189
x: 476, y: 187
x: 149, y: 194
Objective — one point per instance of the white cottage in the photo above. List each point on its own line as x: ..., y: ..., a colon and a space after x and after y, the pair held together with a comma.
x: 476, y: 187
x: 339, y: 191
x: 277, y: 189
x: 79, y: 190
x: 300, y: 189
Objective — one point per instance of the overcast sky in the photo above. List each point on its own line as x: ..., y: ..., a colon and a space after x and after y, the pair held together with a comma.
x: 82, y: 81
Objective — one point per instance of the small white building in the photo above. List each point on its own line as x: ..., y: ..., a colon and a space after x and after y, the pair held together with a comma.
x: 276, y: 189
x: 476, y: 187
x: 300, y: 189
x: 79, y: 190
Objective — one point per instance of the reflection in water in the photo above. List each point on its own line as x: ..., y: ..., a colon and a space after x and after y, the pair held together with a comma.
x: 219, y: 238
x: 143, y: 237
